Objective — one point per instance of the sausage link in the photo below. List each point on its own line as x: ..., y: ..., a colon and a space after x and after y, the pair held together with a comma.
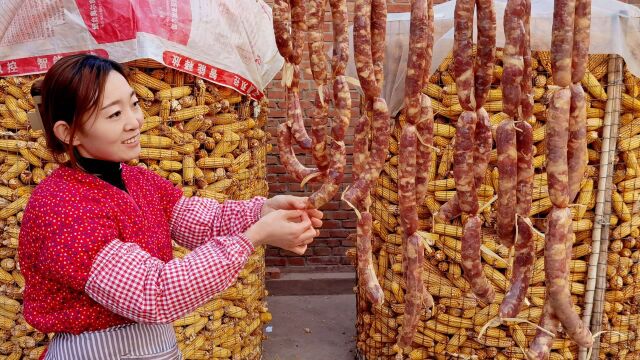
x: 513, y: 62
x: 581, y: 40
x: 577, y: 144
x: 406, y: 180
x: 298, y: 30
x: 381, y: 130
x: 429, y: 43
x: 424, y: 127
x: 378, y: 37
x: 366, y: 274
x: 471, y: 261
x: 295, y: 80
x: 362, y: 48
x: 524, y: 187
x: 507, y: 170
x: 317, y: 58
x: 562, y: 41
x: 449, y: 210
x: 288, y: 157
x: 557, y: 137
x: 555, y: 259
x: 361, y: 145
x: 319, y: 122
x: 526, y: 88
x: 281, y: 29
x: 463, y: 162
x: 463, y: 53
x: 413, y: 256
x: 338, y: 155
x: 486, y: 57
x: 342, y: 103
x: 540, y: 347
x: 340, y: 19
x: 483, y: 141
x: 296, y: 120
x: 335, y: 173
x: 522, y: 270
x: 416, y: 61
x: 483, y: 144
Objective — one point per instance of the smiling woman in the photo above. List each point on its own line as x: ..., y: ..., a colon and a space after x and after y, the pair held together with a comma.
x: 95, y: 244
x: 90, y: 101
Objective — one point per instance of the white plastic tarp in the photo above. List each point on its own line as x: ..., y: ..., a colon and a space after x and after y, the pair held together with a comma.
x: 615, y: 29
x: 229, y: 42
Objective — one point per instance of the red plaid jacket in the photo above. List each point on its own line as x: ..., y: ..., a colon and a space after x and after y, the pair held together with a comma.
x: 94, y: 256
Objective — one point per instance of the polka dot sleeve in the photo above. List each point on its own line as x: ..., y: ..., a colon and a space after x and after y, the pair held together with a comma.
x: 76, y: 234
x: 169, y: 194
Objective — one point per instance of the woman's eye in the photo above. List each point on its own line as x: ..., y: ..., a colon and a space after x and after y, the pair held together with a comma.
x: 115, y: 114
x: 136, y: 103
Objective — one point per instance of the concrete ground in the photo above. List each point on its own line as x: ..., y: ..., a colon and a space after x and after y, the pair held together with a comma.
x: 311, y: 326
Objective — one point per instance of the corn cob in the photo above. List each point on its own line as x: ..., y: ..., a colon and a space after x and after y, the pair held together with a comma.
x: 159, y: 142
x: 230, y: 141
x: 170, y: 165
x: 142, y: 91
x: 591, y: 84
x: 189, y: 113
x: 159, y: 154
x: 148, y: 81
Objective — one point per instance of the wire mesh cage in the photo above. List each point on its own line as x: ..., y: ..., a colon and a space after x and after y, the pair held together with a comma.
x: 460, y: 326
x: 205, y: 139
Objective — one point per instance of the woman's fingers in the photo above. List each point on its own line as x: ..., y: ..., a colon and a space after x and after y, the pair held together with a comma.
x: 315, y: 213
x: 300, y: 250
x: 317, y: 223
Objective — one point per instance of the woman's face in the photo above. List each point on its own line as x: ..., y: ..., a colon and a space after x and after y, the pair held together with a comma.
x: 113, y: 131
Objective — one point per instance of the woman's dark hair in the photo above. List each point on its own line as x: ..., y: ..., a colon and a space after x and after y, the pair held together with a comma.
x: 72, y: 90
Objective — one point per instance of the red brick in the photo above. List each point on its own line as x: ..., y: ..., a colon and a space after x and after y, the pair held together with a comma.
x: 331, y: 224
x: 333, y: 242
x: 324, y: 260
x: 346, y: 261
x: 296, y: 261
x: 340, y: 233
x: 348, y: 243
x: 287, y: 253
x: 275, y: 261
x: 342, y: 215
x: 272, y: 272
x: 322, y: 251
x: 348, y: 224
x: 271, y: 251
x: 339, y: 251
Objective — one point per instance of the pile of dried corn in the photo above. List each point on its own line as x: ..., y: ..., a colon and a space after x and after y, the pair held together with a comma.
x: 622, y: 303
x: 458, y: 317
x: 208, y: 140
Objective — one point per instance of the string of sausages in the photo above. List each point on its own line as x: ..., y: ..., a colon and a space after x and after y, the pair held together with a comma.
x: 473, y: 138
x: 329, y: 152
x: 416, y: 142
x: 514, y: 138
x: 566, y: 163
x: 371, y: 136
x: 289, y: 27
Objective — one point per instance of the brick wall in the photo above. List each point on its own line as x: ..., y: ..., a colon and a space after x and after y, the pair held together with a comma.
x: 327, y: 252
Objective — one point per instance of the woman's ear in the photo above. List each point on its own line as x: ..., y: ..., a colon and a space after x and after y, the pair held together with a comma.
x: 63, y: 132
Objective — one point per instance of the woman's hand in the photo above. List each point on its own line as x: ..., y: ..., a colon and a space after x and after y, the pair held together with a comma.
x: 288, y: 202
x: 287, y: 229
